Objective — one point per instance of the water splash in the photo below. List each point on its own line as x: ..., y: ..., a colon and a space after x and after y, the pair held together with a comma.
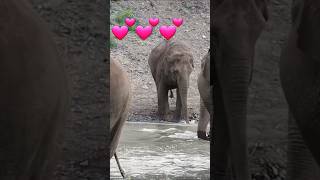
x: 162, y: 151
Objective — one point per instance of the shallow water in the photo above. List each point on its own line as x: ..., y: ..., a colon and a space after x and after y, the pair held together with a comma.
x: 161, y: 151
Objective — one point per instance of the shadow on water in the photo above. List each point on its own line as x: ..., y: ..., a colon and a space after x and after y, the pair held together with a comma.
x: 161, y: 151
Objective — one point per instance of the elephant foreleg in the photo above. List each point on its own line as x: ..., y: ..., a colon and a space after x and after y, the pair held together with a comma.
x: 163, y: 104
x: 178, y: 107
x: 203, y: 121
x: 301, y: 163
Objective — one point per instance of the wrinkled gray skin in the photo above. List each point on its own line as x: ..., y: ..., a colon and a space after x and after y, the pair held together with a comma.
x: 300, y: 79
x: 237, y: 24
x: 34, y: 95
x: 171, y: 64
x: 119, y: 103
x: 205, y: 97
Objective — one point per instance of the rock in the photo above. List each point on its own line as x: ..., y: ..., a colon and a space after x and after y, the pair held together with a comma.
x: 145, y: 87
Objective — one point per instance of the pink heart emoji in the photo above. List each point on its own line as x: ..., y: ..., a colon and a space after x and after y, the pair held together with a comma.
x: 153, y: 21
x: 144, y: 32
x: 167, y: 31
x: 177, y: 21
x: 130, y: 22
x: 120, y: 32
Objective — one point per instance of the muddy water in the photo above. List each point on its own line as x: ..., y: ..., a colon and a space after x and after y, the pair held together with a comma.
x: 161, y: 151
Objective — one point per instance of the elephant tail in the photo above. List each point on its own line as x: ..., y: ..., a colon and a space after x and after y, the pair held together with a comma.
x: 171, y: 94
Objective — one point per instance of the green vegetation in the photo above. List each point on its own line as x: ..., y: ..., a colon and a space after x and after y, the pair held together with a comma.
x: 119, y: 19
x: 143, y: 43
x: 112, y: 43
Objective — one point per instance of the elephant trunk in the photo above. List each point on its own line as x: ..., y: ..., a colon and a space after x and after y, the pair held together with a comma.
x: 234, y: 80
x: 301, y: 163
x: 183, y: 84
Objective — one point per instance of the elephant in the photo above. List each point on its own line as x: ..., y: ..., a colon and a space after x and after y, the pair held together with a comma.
x: 171, y: 63
x: 300, y: 81
x: 205, y: 90
x: 237, y: 24
x: 34, y: 94
x: 119, y: 105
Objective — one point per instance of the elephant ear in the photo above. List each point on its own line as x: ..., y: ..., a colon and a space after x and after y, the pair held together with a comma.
x: 263, y: 7
x: 309, y: 29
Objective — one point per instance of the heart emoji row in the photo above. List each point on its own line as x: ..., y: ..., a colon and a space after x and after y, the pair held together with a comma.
x: 154, y: 21
x: 144, y: 32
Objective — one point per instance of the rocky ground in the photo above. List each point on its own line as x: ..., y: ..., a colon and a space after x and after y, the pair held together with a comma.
x: 80, y: 31
x: 267, y: 111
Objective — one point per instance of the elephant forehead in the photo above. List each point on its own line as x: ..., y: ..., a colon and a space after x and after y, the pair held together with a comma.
x: 181, y: 56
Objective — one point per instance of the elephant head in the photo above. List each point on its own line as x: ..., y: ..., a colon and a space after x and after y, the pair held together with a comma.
x: 237, y: 24
x: 178, y: 61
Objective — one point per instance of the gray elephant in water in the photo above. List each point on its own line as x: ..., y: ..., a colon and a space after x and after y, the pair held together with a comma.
x: 171, y: 64
x: 34, y: 94
x: 119, y: 105
x: 300, y: 80
x: 237, y: 24
x: 205, y: 90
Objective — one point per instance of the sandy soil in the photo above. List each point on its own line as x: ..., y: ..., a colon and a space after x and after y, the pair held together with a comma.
x: 80, y: 31
x: 267, y: 109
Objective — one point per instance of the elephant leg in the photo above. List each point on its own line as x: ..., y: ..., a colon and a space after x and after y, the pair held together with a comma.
x: 163, y: 104
x: 301, y: 163
x: 203, y: 122
x: 178, y: 107
x: 221, y: 143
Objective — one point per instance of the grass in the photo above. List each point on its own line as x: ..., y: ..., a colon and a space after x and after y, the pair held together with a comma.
x: 143, y: 43
x: 119, y: 19
x: 112, y: 43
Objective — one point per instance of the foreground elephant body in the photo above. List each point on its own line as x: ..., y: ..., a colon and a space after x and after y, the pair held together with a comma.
x: 237, y: 24
x: 300, y: 80
x: 205, y: 91
x: 171, y: 64
x: 34, y: 95
x: 119, y: 103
